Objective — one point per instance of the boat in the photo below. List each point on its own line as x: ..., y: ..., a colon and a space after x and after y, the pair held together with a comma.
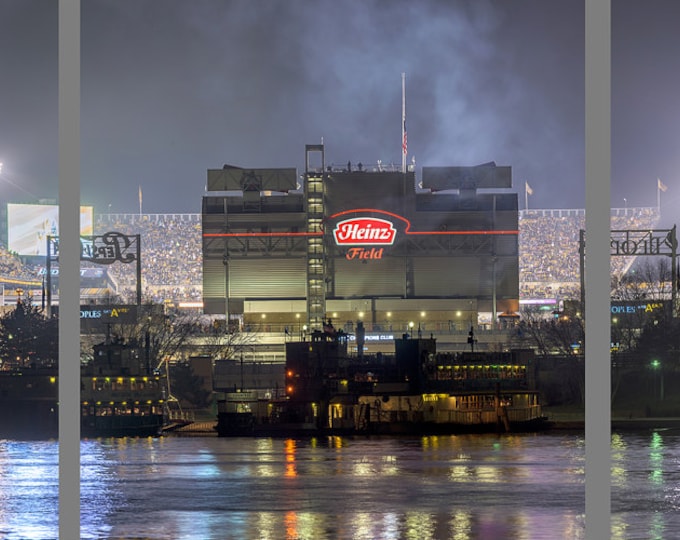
x: 120, y: 396
x: 236, y: 413
x: 414, y: 391
x: 450, y: 413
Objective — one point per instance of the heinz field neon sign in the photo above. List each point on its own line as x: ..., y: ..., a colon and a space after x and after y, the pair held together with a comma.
x: 363, y: 231
x: 356, y: 233
x: 365, y: 237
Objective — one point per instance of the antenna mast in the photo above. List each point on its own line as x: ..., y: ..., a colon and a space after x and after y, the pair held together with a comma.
x: 403, y: 123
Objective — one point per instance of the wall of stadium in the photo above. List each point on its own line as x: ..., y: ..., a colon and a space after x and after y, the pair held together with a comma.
x: 441, y: 250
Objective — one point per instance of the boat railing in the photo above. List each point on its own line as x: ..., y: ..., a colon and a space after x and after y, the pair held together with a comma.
x: 106, y: 394
x: 488, y: 415
x: 181, y: 415
x: 524, y: 414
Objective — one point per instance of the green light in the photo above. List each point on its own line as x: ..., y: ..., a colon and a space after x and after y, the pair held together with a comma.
x: 655, y: 364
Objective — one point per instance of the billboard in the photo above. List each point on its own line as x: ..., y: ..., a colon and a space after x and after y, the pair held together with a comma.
x: 29, y: 225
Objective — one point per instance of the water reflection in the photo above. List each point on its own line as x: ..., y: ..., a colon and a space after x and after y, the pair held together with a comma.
x: 656, y: 459
x: 463, y: 487
x: 29, y: 481
x: 645, y: 484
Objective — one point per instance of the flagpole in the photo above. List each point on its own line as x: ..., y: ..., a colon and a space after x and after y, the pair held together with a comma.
x: 526, y: 196
x: 403, y: 122
x: 140, y: 200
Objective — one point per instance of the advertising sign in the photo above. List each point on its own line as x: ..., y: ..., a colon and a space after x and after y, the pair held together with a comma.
x: 29, y: 225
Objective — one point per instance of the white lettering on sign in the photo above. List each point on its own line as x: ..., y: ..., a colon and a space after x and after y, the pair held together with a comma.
x: 364, y: 231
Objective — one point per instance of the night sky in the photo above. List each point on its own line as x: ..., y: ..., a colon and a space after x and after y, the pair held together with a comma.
x: 172, y: 88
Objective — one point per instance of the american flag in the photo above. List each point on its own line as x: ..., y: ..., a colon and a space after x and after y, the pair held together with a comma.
x: 404, y: 144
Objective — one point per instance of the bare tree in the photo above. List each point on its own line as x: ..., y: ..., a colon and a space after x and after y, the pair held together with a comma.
x: 221, y: 344
x: 159, y: 334
x: 550, y: 335
x: 640, y: 297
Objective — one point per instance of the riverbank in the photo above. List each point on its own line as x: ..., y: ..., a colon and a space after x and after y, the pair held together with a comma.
x: 558, y: 419
x: 575, y: 419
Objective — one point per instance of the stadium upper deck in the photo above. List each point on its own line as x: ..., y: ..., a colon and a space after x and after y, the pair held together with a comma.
x: 172, y: 259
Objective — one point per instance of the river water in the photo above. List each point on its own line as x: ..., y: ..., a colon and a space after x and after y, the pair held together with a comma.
x: 455, y: 487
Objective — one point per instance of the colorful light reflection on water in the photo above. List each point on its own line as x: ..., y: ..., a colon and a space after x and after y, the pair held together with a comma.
x: 460, y: 487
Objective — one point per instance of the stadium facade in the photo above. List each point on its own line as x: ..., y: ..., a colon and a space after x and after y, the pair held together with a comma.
x: 362, y: 244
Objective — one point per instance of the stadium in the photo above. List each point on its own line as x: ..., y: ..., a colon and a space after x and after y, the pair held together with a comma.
x: 458, y: 254
x: 360, y: 245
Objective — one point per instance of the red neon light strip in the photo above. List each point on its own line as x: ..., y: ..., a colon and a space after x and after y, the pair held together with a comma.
x: 359, y: 210
x: 500, y: 232
x: 408, y: 223
x: 214, y: 235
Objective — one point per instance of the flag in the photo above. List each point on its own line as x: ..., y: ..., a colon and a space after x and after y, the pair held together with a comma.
x: 528, y: 189
x: 660, y: 185
x: 404, y: 144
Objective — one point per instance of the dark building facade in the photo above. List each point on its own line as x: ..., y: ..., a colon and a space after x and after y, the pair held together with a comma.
x: 288, y: 250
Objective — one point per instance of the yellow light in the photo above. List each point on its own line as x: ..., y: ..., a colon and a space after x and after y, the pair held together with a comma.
x: 53, y: 380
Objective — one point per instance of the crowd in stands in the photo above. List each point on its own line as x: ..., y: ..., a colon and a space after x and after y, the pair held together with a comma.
x: 12, y: 268
x: 171, y: 255
x: 549, y: 262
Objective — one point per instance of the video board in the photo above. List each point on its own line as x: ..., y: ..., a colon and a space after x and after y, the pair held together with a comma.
x: 29, y: 225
